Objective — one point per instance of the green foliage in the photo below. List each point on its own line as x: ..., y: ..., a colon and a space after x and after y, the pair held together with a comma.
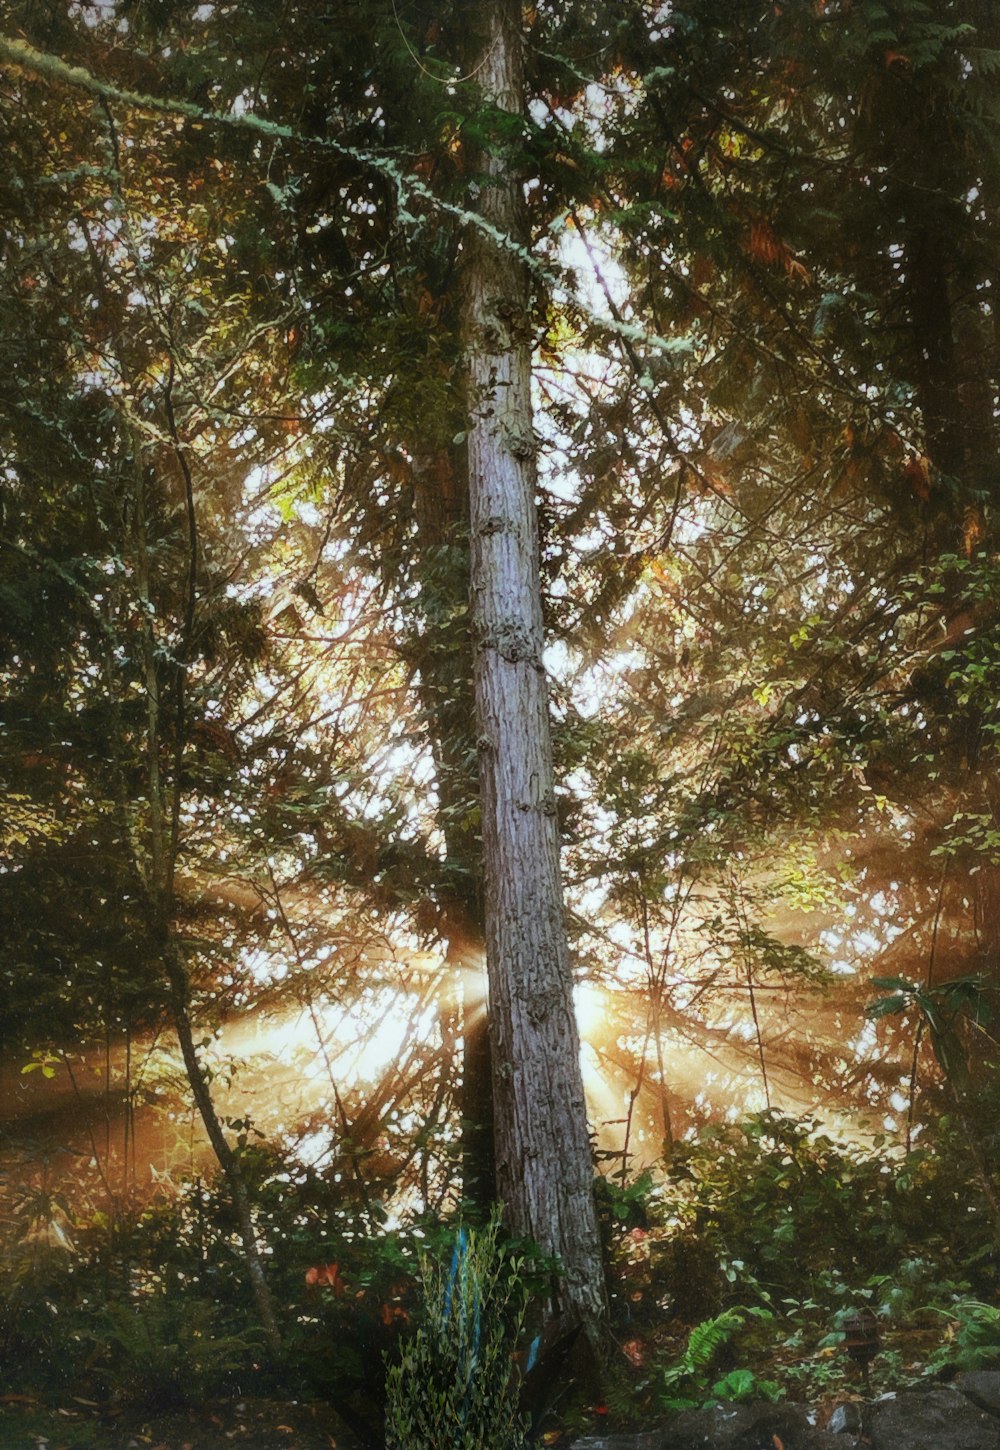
x: 86, y: 1323
x: 973, y: 1335
x: 945, y: 1009
x: 626, y: 1202
x: 743, y: 1384
x: 454, y: 1385
x: 692, y: 1380
x: 765, y: 1235
x: 157, y: 1301
x: 779, y: 1200
x: 167, y: 1350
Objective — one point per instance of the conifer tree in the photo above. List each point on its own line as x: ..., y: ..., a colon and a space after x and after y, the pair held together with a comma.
x: 543, y: 1155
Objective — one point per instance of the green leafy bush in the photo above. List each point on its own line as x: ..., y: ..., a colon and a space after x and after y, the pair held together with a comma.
x: 454, y: 1389
x: 786, y: 1212
x: 974, y: 1336
x: 166, y: 1352
x: 777, y: 1214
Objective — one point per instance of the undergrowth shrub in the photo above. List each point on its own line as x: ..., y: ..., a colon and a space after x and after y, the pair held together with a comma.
x: 454, y: 1388
x: 777, y: 1215
x: 779, y: 1210
x: 972, y: 1336
x: 772, y: 1214
x: 167, y: 1352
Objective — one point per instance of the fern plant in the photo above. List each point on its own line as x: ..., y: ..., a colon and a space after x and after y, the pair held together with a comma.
x: 689, y: 1382
x: 974, y: 1336
x: 454, y: 1388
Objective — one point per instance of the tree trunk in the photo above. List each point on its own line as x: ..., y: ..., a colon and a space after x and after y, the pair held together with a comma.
x: 544, y: 1169
x: 156, y: 891
x: 226, y: 1156
x: 441, y: 502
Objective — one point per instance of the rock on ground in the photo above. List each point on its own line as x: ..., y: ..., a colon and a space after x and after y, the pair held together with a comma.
x: 963, y: 1416
x: 730, y: 1427
x: 982, y: 1387
x: 939, y: 1419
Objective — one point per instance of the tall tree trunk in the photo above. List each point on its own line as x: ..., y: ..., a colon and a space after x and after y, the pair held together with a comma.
x: 441, y: 508
x: 544, y: 1168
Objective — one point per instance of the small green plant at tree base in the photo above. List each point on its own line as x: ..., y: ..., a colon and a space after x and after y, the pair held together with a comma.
x: 453, y: 1388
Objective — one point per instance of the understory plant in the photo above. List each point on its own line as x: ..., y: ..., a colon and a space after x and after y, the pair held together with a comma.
x: 694, y: 1379
x: 776, y: 1216
x: 453, y: 1388
x: 972, y: 1336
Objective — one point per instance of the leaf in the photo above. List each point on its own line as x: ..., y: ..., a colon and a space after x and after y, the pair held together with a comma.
x: 887, y: 1006
x: 736, y: 1385
x: 326, y: 1276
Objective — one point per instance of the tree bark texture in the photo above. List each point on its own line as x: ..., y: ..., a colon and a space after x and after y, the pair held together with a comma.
x: 441, y: 507
x: 544, y: 1168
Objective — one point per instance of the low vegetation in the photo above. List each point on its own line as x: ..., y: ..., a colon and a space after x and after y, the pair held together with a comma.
x: 731, y: 1272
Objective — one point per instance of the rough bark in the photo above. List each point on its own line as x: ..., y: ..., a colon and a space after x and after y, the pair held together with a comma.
x: 441, y: 511
x: 544, y: 1168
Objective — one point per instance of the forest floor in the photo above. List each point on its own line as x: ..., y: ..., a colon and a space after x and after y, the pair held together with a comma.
x: 26, y: 1424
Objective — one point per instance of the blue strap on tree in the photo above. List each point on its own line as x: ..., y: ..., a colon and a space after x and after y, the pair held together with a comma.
x: 458, y: 1255
x: 458, y: 1274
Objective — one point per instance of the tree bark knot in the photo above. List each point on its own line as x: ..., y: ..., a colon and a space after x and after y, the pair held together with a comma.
x: 514, y: 317
x: 513, y: 640
x: 522, y: 444
x: 542, y: 1005
x: 546, y: 806
x: 496, y: 524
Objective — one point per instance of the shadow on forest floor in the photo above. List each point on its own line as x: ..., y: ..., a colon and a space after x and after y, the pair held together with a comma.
x: 219, y: 1425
